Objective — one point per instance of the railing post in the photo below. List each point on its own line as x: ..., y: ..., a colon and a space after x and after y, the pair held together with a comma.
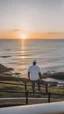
x: 46, y: 88
x: 26, y: 97
x: 49, y: 96
x: 25, y: 85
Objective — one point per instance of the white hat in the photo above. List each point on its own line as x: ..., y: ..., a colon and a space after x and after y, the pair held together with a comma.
x: 34, y: 61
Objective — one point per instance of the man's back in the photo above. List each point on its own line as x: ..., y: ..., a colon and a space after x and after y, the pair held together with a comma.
x: 34, y: 72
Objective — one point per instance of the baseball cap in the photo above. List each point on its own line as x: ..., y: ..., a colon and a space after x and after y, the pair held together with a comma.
x: 34, y: 61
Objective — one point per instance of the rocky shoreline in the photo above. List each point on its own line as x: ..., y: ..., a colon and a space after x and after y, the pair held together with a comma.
x: 4, y: 69
x: 55, y: 75
x: 7, y: 72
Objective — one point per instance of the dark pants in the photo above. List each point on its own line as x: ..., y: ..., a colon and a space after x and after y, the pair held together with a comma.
x: 33, y: 85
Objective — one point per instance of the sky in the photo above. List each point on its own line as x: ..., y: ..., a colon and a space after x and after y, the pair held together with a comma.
x: 36, y: 18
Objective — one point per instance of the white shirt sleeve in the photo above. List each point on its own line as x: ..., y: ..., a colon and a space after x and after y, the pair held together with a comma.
x: 39, y: 69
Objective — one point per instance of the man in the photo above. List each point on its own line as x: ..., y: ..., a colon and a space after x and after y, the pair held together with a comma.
x: 34, y: 75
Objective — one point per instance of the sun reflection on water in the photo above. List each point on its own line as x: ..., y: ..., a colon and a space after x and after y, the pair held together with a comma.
x: 23, y: 58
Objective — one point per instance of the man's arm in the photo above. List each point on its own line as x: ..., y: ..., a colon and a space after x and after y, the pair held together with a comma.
x: 29, y: 75
x: 39, y: 75
x: 39, y: 72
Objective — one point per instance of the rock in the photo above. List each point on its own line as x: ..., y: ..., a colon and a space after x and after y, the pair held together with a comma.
x: 4, y: 69
x: 5, y: 56
x: 52, y: 84
x: 8, y: 49
x: 17, y: 73
x: 56, y: 75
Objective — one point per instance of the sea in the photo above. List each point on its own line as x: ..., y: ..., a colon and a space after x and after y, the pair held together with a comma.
x: 19, y: 54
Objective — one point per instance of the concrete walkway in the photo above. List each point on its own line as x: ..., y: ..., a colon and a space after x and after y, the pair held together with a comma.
x: 23, y: 100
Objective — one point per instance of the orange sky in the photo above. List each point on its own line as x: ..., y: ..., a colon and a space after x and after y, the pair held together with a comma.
x: 47, y: 35
x: 40, y: 19
x: 15, y: 34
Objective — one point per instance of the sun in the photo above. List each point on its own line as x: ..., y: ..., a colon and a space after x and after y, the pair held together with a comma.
x: 23, y: 36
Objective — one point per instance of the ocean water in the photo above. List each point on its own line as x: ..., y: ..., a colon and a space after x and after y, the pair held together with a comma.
x: 19, y: 54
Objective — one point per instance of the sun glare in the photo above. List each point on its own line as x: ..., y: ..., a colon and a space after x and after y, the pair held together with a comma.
x: 23, y: 36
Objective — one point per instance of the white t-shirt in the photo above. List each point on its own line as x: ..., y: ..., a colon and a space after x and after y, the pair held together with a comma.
x: 34, y: 70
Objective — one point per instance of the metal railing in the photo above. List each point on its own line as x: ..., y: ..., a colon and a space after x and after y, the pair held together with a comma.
x: 26, y: 92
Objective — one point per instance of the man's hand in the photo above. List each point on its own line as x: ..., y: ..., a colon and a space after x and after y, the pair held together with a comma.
x: 39, y: 76
x: 29, y: 75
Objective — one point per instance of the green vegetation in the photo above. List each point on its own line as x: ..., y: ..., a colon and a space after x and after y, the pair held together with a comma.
x: 12, y: 88
x: 6, y: 87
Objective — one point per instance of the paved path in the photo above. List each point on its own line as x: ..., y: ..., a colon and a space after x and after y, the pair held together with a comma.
x: 23, y: 100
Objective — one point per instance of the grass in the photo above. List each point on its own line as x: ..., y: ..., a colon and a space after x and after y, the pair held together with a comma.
x: 6, y: 87
x: 10, y: 87
x: 16, y: 87
x: 56, y: 90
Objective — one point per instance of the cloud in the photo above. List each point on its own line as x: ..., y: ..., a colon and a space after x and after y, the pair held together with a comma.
x: 16, y: 30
